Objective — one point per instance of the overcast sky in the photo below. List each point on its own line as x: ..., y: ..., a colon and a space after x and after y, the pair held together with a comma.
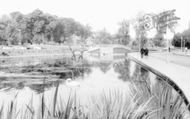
x: 100, y: 13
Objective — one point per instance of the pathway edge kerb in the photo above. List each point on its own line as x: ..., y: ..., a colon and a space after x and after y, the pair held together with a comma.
x: 181, y: 54
x: 164, y: 78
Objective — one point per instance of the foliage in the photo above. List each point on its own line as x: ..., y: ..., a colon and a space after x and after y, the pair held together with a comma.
x: 123, y: 32
x: 182, y: 39
x: 158, y: 40
x: 123, y: 69
x: 103, y: 37
x: 108, y: 104
x: 38, y: 27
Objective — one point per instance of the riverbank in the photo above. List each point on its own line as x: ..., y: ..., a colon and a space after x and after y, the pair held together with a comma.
x: 38, y: 50
x: 175, y: 74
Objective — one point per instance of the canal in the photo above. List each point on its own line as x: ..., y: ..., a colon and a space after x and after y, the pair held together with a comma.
x: 116, y: 87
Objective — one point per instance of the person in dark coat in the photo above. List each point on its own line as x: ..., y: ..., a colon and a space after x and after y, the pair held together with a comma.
x: 146, y: 52
x: 142, y: 52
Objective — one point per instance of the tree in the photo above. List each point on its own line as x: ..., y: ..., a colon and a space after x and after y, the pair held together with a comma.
x: 186, y: 38
x: 37, y: 27
x: 103, y: 37
x: 3, y: 25
x: 183, y: 38
x: 140, y: 31
x: 18, y: 28
x: 58, y: 32
x: 37, y: 24
x: 70, y: 27
x: 123, y: 32
x: 177, y: 40
x: 122, y: 68
x: 158, y: 40
x: 84, y: 31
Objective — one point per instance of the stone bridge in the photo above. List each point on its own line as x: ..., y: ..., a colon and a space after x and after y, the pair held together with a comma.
x: 110, y: 49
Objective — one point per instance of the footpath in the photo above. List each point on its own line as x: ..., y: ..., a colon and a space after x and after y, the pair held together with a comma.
x: 175, y: 74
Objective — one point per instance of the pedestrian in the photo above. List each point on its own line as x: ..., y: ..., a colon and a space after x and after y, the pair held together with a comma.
x: 185, y: 50
x: 146, y: 52
x: 142, y: 52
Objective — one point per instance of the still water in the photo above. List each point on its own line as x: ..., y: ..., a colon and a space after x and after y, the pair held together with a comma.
x: 28, y: 78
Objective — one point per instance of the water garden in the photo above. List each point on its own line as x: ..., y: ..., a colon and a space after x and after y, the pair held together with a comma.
x: 50, y: 87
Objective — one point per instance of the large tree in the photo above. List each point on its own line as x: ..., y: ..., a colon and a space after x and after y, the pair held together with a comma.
x: 122, y: 35
x: 103, y: 37
x: 182, y: 39
x: 4, y: 22
x: 37, y: 27
x: 158, y: 40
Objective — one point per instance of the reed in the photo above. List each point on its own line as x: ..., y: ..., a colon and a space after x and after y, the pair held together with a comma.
x: 169, y: 103
x: 162, y: 103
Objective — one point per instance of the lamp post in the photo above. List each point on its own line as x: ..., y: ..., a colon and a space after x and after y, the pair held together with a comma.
x: 168, y: 36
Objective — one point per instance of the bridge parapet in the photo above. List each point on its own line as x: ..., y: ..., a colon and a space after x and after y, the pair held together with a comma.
x: 110, y: 49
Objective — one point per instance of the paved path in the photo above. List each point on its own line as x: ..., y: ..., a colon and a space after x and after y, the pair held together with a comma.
x: 175, y: 74
x: 175, y: 57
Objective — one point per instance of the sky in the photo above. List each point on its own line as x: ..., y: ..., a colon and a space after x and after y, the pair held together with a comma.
x: 100, y: 14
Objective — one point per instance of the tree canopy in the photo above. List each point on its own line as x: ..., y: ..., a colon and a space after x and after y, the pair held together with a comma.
x: 38, y: 27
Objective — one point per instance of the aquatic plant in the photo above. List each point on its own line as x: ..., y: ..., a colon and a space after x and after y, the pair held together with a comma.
x: 163, y: 102
x: 169, y: 103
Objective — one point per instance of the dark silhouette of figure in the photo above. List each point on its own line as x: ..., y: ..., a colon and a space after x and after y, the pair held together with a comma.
x: 146, y: 52
x: 142, y: 52
x: 74, y: 58
x: 73, y: 53
x: 81, y: 55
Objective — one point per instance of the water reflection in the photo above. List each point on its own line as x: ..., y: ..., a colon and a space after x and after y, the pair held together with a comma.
x: 32, y: 75
x: 123, y: 69
x: 141, y: 79
x: 33, y: 79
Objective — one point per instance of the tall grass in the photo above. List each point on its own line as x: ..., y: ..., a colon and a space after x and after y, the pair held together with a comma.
x: 162, y: 103
x: 168, y: 101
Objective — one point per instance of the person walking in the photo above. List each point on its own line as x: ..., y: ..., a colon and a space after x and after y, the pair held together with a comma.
x: 185, y: 50
x: 142, y: 52
x: 146, y: 52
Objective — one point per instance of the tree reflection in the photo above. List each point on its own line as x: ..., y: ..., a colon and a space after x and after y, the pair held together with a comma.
x: 14, y: 84
x: 60, y: 68
x: 41, y: 87
x: 123, y: 69
x: 105, y: 67
x: 141, y: 79
x: 79, y: 70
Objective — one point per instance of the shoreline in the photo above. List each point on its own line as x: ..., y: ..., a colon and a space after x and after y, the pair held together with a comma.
x: 168, y: 72
x: 35, y: 55
x: 43, y: 51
